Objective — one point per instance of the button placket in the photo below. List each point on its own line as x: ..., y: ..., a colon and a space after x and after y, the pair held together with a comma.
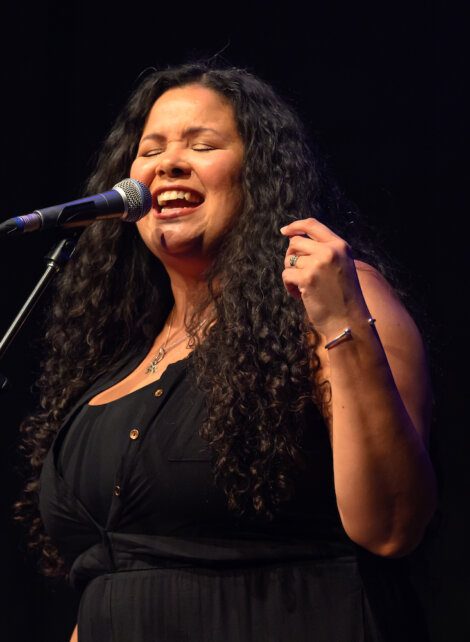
x: 135, y: 436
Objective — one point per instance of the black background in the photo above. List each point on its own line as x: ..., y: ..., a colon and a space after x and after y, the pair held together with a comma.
x: 381, y: 86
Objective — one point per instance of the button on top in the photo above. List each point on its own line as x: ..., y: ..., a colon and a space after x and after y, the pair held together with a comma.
x: 158, y: 392
x: 134, y: 433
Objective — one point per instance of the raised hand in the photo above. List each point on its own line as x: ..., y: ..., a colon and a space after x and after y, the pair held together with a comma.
x: 320, y: 270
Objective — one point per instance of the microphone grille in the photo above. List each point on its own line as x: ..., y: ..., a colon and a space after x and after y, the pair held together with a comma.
x: 139, y: 199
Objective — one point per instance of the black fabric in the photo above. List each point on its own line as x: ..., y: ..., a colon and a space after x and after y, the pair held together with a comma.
x: 159, y: 557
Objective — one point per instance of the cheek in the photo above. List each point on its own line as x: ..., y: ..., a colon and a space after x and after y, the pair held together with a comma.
x: 227, y: 182
x: 141, y: 171
x: 234, y: 191
x: 221, y: 172
x: 134, y: 170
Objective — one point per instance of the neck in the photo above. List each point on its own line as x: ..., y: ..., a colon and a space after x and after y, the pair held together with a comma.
x: 188, y: 288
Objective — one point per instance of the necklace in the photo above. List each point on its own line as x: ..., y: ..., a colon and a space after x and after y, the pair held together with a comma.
x: 164, y: 349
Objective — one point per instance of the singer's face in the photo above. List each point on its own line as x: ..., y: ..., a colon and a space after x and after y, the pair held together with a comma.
x: 190, y: 155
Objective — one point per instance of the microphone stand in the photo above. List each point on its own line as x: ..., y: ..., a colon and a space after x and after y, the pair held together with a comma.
x: 56, y: 259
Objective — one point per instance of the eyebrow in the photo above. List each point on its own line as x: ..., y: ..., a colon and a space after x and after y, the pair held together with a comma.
x: 189, y: 131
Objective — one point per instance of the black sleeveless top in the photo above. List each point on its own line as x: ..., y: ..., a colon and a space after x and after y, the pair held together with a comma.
x: 127, y: 488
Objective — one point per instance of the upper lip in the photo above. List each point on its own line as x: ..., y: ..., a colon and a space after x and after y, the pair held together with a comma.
x: 176, y: 188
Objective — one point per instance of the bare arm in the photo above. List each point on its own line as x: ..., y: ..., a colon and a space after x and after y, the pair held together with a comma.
x: 380, y: 399
x: 74, y: 637
x: 379, y: 421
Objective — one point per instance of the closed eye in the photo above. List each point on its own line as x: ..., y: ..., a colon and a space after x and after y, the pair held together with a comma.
x: 152, y: 152
x: 201, y: 147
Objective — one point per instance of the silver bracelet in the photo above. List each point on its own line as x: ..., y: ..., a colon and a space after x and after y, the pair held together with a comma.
x: 345, y: 335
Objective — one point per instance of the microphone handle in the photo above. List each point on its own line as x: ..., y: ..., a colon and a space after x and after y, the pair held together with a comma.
x: 8, y: 228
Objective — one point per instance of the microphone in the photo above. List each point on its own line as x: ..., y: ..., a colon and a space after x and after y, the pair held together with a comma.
x: 129, y: 200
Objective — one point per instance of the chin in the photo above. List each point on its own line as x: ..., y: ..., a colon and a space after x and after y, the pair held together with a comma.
x: 181, y: 238
x: 167, y: 242
x: 174, y: 244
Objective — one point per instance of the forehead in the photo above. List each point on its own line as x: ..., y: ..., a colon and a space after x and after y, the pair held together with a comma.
x: 190, y: 106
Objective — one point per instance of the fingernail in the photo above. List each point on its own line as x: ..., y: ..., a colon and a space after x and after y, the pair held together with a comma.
x: 283, y: 228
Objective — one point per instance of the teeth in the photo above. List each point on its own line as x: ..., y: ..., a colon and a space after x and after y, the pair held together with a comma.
x: 173, y: 195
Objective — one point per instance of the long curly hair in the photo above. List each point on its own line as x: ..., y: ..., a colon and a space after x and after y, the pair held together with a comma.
x: 257, y: 363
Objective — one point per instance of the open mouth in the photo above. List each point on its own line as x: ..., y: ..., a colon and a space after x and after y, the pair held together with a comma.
x: 171, y: 200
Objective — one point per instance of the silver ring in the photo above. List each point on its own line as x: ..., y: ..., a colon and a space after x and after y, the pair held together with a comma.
x: 293, y: 260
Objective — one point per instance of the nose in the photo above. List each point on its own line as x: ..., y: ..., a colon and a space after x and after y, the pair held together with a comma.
x: 173, y: 167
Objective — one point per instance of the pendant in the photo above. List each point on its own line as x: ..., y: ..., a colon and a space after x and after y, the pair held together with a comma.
x: 152, y: 369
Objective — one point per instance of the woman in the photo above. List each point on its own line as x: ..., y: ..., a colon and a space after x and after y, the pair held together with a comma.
x: 243, y: 405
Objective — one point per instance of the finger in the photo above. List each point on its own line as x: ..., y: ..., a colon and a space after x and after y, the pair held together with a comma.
x: 301, y: 245
x: 290, y: 283
x: 312, y: 228
x: 289, y: 262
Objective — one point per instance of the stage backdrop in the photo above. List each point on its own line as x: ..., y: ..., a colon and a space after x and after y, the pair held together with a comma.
x: 379, y: 88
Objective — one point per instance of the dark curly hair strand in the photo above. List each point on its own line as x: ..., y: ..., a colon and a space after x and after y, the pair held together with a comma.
x: 257, y: 363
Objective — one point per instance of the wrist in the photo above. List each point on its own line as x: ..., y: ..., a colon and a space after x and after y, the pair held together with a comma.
x: 355, y: 319
x: 347, y: 333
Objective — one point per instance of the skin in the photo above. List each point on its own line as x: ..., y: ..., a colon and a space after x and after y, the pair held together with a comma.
x: 209, y: 161
x: 378, y: 415
x: 379, y: 411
